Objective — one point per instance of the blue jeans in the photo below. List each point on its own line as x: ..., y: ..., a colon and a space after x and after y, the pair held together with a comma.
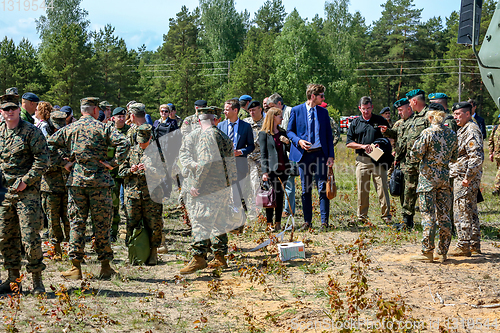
x: 313, y: 165
x: 290, y: 192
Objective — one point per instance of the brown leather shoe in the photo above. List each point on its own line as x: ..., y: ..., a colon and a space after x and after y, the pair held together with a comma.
x: 460, y: 252
x: 197, y: 263
x: 219, y: 261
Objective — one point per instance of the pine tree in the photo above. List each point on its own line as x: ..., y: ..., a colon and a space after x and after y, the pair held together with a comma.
x: 28, y: 74
x: 8, y: 61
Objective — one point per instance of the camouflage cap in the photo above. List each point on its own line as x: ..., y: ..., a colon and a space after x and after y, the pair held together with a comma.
x: 137, y: 109
x: 104, y: 104
x: 9, y: 101
x: 12, y: 91
x: 415, y: 92
x: 89, y: 101
x: 144, y: 133
x: 401, y: 102
x: 216, y: 111
x: 58, y: 119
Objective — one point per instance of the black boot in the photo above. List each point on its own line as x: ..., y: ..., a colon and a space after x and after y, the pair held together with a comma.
x: 5, y: 287
x: 409, y: 222
x: 406, y: 225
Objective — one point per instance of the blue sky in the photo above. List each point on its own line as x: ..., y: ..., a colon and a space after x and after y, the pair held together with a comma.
x: 145, y: 22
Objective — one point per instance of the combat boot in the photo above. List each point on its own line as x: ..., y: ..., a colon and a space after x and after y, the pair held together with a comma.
x: 460, y: 252
x: 106, y: 271
x: 440, y: 257
x: 75, y: 273
x: 57, y: 252
x: 476, y: 249
x: 197, y: 263
x: 153, y: 257
x: 38, y: 287
x: 162, y: 249
x: 219, y: 261
x: 423, y: 257
x: 5, y: 287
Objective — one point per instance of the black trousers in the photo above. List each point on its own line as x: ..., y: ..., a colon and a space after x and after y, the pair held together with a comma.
x: 274, y: 179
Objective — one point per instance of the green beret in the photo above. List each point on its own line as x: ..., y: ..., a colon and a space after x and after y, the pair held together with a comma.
x: 119, y: 111
x: 401, y: 102
x: 8, y: 101
x: 89, y: 101
x: 438, y: 96
x: 104, y: 104
x: 138, y: 109
x: 414, y: 93
x: 12, y: 91
x: 144, y: 133
x: 58, y: 119
x: 436, y: 107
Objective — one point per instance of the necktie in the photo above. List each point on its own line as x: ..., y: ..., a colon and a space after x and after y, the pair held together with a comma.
x: 310, y: 118
x: 231, y: 131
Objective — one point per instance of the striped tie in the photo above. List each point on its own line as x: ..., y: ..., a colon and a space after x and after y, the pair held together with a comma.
x: 231, y: 131
x: 310, y: 119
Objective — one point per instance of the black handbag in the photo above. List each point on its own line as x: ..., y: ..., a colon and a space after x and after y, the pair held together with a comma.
x: 396, y: 183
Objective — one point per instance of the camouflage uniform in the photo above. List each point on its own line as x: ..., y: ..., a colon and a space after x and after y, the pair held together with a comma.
x: 26, y: 116
x: 335, y: 131
x: 214, y: 195
x: 468, y: 166
x: 190, y: 124
x: 494, y: 148
x: 253, y: 158
x: 116, y: 188
x: 243, y: 114
x: 412, y: 130
x: 23, y: 158
x: 435, y: 149
x: 450, y: 122
x: 89, y: 181
x: 138, y: 202
x: 188, y: 158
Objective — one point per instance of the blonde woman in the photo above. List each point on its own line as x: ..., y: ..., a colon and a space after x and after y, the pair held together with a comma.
x: 274, y: 161
x: 435, y: 149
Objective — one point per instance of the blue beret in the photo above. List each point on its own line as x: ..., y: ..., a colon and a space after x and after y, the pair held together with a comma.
x: 438, y: 96
x: 414, y: 93
x: 200, y: 102
x: 245, y: 98
x: 384, y: 110
x: 436, y: 107
x: 31, y: 97
x: 172, y: 107
x: 68, y: 110
x: 401, y: 102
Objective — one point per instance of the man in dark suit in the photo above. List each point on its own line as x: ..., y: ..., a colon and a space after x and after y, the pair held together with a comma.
x: 479, y: 119
x: 241, y: 134
x: 310, y: 132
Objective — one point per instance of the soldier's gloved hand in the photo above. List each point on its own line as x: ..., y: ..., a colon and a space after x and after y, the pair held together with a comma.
x: 107, y: 165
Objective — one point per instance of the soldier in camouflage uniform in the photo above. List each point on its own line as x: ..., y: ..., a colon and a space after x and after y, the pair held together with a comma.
x: 139, y: 205
x: 397, y: 133
x: 89, y: 183
x: 494, y: 148
x: 209, y: 186
x: 466, y: 174
x: 255, y: 120
x: 23, y: 159
x: 442, y: 99
x: 435, y: 149
x: 191, y: 122
x: 54, y: 192
x: 244, y: 100
x: 413, y: 129
x: 118, y: 119
x: 137, y: 113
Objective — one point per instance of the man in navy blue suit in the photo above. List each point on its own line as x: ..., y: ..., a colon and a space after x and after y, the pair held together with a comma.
x: 310, y: 132
x: 241, y: 134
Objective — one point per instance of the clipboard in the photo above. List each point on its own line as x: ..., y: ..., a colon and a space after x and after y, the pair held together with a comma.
x: 376, y: 153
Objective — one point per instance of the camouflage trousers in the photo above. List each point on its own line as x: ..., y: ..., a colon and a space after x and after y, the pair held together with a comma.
x: 497, y: 177
x: 116, y: 206
x: 209, y: 224
x: 99, y: 202
x: 21, y: 220
x: 409, y: 196
x: 434, y: 208
x: 150, y: 213
x: 55, y: 206
x: 255, y: 170
x: 466, y: 214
